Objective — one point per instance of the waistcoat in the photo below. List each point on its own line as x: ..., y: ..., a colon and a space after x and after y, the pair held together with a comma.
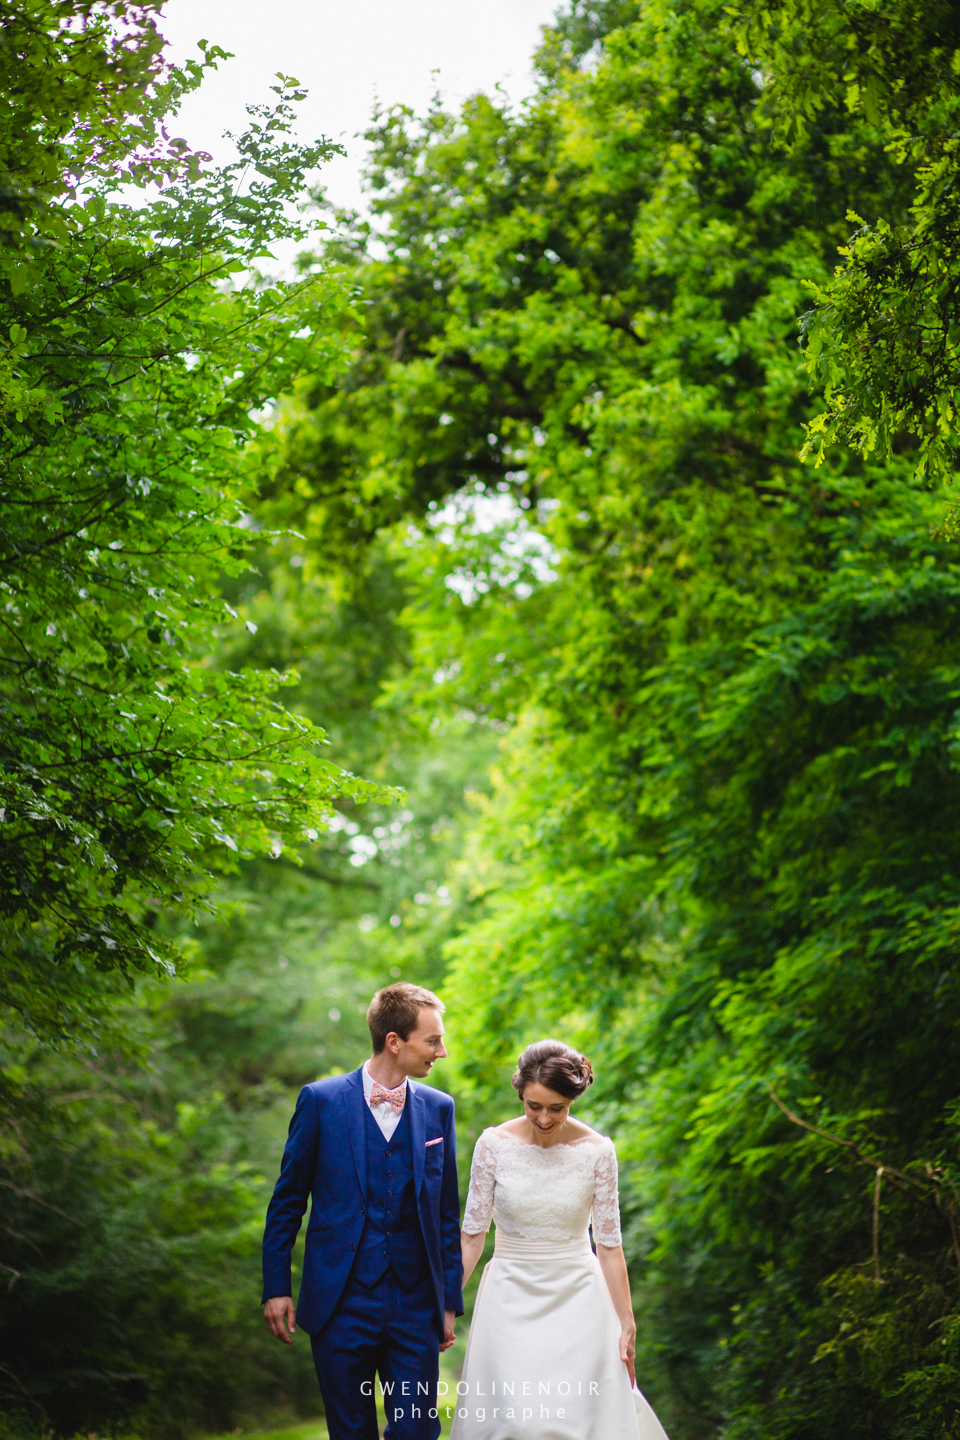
x: 391, y: 1235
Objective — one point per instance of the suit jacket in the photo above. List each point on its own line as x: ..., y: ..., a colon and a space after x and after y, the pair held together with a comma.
x: 325, y: 1160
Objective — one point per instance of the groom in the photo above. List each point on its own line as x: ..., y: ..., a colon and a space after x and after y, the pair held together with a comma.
x: 381, y: 1273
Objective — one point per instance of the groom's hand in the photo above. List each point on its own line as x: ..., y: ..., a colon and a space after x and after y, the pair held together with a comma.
x: 449, y: 1333
x: 279, y: 1316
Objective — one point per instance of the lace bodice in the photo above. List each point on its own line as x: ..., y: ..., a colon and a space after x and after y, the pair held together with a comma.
x: 543, y: 1193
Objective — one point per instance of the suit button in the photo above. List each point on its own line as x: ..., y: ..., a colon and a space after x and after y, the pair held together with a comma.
x: 362, y: 1211
x: 353, y: 1247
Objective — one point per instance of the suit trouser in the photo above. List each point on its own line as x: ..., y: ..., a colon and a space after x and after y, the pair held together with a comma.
x: 390, y: 1329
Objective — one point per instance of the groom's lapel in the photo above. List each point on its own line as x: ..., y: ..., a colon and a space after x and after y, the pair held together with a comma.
x: 353, y: 1104
x: 418, y: 1132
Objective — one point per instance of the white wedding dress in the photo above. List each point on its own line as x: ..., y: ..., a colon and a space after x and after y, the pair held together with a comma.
x: 543, y: 1359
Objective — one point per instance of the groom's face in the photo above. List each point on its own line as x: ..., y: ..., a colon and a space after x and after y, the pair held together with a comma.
x: 416, y: 1054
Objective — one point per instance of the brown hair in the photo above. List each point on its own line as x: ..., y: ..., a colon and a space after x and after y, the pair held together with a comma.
x: 558, y: 1066
x: 397, y: 1008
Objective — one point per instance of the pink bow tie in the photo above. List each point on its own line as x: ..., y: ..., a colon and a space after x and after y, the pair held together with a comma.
x: 379, y: 1096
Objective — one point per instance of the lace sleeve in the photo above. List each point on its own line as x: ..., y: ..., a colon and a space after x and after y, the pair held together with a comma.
x: 478, y: 1210
x: 606, y: 1203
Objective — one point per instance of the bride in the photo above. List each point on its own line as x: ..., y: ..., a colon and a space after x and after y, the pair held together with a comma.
x: 552, y: 1342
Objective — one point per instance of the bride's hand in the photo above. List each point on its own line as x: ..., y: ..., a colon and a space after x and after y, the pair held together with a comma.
x: 628, y: 1350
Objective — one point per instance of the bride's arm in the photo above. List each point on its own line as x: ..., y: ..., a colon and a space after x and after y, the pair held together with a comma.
x: 614, y: 1268
x: 471, y: 1248
x: 606, y: 1234
x: 478, y: 1210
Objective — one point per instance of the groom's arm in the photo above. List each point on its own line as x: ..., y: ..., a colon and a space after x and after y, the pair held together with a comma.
x: 450, y: 1219
x: 290, y: 1196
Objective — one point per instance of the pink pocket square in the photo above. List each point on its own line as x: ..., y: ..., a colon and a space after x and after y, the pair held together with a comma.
x: 438, y: 1141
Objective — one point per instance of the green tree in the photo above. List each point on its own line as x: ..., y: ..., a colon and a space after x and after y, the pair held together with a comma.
x: 883, y: 338
x: 137, y: 355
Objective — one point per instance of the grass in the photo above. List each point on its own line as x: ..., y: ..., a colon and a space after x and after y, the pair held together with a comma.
x: 314, y: 1429
x: 309, y: 1430
x: 450, y: 1365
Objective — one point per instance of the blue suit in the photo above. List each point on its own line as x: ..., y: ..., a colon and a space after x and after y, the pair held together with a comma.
x: 382, y: 1259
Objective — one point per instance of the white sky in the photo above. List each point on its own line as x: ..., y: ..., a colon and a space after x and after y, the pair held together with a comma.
x: 347, y: 55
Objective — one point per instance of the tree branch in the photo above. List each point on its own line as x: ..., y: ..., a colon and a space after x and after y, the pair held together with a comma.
x: 932, y: 1191
x: 28, y: 1195
x: 330, y: 879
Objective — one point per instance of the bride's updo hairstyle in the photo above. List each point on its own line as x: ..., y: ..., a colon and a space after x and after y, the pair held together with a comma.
x: 557, y: 1066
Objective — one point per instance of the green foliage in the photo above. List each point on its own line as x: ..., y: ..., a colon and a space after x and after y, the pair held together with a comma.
x: 133, y: 771
x: 75, y: 78
x: 133, y: 1216
x: 882, y: 341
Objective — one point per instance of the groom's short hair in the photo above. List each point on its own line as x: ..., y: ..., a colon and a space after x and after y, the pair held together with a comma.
x: 397, y: 1008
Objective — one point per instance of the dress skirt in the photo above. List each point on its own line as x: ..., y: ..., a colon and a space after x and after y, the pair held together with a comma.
x: 542, y: 1358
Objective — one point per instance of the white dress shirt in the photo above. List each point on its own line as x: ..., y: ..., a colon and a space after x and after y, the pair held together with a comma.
x: 386, y: 1117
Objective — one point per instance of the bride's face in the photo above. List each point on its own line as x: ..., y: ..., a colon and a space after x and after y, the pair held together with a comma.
x: 545, y: 1109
